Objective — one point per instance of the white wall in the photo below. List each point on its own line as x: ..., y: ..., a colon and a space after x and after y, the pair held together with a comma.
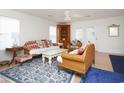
x: 31, y: 27
x: 103, y: 42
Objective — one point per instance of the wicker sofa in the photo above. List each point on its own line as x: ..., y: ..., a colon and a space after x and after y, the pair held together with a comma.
x: 79, y: 63
x: 36, y: 47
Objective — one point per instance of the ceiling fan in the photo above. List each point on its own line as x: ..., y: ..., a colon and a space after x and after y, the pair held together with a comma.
x: 69, y: 16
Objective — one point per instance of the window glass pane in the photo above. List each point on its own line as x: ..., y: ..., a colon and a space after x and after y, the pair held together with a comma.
x: 9, y: 32
x: 52, y: 33
x: 79, y: 34
x: 90, y: 33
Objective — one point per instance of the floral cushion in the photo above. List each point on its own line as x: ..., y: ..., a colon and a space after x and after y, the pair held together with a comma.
x: 23, y: 58
x: 31, y: 44
x: 40, y: 43
x: 50, y: 43
x: 80, y: 50
x: 45, y: 43
x: 73, y: 52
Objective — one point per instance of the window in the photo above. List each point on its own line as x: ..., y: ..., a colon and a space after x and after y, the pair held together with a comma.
x: 9, y: 32
x: 90, y: 34
x: 79, y: 34
x: 52, y: 33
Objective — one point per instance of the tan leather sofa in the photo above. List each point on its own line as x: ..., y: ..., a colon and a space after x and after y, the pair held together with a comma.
x: 79, y: 63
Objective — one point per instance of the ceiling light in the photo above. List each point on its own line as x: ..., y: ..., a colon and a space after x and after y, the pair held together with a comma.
x: 67, y: 16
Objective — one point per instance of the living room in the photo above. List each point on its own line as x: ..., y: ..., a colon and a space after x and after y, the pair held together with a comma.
x: 34, y: 25
x: 77, y: 43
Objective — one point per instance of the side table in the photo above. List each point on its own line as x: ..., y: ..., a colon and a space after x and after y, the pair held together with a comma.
x: 14, y: 50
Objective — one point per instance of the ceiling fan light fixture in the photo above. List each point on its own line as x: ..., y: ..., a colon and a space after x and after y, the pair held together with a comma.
x: 67, y: 18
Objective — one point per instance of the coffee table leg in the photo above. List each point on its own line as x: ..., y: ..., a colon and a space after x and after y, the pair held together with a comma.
x: 50, y: 60
x: 43, y: 59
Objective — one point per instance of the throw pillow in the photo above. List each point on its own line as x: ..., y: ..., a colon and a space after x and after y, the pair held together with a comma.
x: 73, y: 52
x: 32, y: 44
x: 39, y: 43
x: 50, y: 43
x: 80, y: 51
x: 45, y: 43
x: 82, y: 48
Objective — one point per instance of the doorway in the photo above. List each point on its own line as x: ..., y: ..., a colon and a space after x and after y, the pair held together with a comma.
x: 90, y: 34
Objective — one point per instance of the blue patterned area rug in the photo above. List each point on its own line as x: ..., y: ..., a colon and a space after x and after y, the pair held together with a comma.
x: 38, y: 72
x: 101, y: 76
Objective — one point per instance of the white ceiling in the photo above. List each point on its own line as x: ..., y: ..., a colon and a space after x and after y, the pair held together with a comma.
x: 57, y: 15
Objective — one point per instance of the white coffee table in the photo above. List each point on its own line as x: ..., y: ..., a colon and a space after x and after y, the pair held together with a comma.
x: 52, y: 53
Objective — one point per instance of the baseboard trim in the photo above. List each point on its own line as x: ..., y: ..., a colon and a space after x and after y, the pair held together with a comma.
x: 121, y: 54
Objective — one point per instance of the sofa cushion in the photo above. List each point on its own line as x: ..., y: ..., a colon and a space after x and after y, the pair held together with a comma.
x: 77, y: 52
x: 50, y: 43
x: 50, y: 48
x: 80, y: 51
x: 46, y: 43
x: 73, y: 52
x: 40, y: 50
x: 23, y: 58
x: 36, y: 51
x: 31, y: 44
x: 40, y: 43
x: 82, y: 48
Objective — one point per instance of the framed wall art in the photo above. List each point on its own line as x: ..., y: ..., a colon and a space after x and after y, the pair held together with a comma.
x: 113, y: 30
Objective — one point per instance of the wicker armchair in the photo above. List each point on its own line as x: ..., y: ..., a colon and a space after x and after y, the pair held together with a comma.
x: 75, y: 44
